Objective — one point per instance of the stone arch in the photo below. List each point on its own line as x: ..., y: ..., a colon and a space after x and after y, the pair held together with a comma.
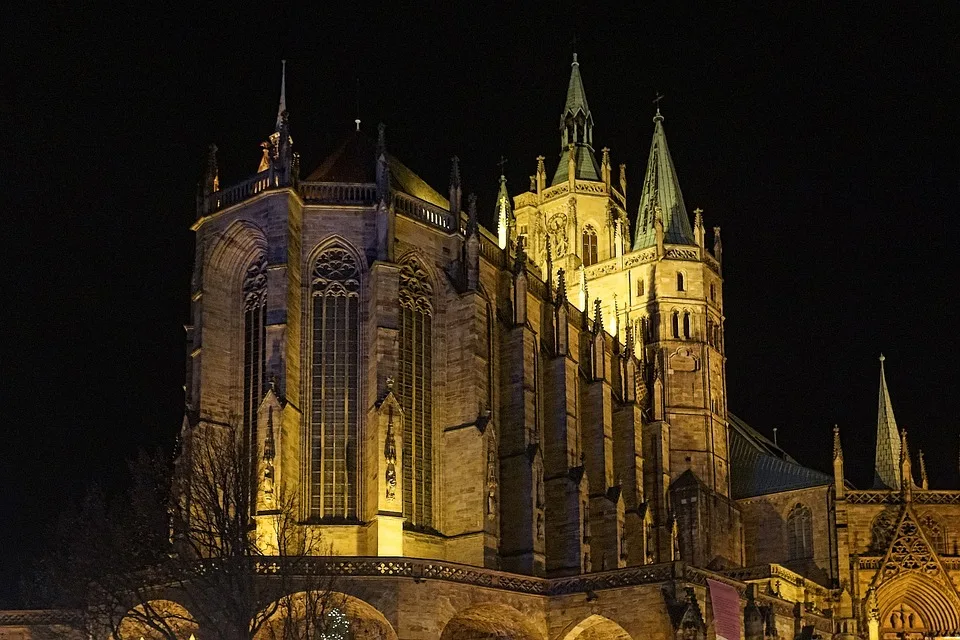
x: 157, y: 620
x: 234, y: 248
x: 221, y: 280
x: 365, y: 621
x: 330, y: 242
x: 490, y: 621
x: 923, y: 597
x: 595, y: 627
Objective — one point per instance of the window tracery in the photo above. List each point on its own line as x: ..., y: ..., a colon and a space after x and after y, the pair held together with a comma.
x: 254, y: 292
x: 415, y: 383
x: 590, y: 251
x: 800, y: 533
x: 335, y: 380
x: 933, y: 530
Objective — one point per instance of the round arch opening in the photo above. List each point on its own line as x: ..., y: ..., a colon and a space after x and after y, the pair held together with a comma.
x: 490, y: 622
x: 157, y: 620
x: 334, y: 615
x: 596, y: 627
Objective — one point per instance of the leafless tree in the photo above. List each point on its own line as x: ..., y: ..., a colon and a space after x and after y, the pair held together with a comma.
x: 211, y: 543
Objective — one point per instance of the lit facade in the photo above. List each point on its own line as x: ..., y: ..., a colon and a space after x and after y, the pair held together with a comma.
x: 526, y: 433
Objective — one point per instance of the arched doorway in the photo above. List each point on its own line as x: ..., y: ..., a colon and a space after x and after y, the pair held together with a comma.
x: 157, y: 620
x: 596, y: 627
x: 332, y: 615
x: 914, y: 605
x: 490, y: 622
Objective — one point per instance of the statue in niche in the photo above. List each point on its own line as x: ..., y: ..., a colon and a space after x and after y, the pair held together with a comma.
x: 390, y: 456
x: 541, y: 495
x: 491, y: 481
x: 557, y: 230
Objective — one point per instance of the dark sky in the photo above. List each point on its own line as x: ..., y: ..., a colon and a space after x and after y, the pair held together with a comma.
x: 822, y: 140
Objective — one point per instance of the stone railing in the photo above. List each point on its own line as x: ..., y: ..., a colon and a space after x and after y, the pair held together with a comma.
x: 556, y: 190
x: 424, y: 211
x: 525, y: 199
x: 355, y: 193
x: 237, y: 193
x: 419, y: 569
x: 38, y: 617
x: 893, y: 497
x: 492, y: 252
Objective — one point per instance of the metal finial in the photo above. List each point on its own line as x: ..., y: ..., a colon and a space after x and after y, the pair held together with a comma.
x: 501, y: 163
x: 656, y: 101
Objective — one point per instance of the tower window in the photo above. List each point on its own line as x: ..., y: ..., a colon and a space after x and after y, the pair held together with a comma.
x: 713, y: 292
x: 676, y: 324
x: 800, y: 533
x: 415, y: 383
x: 640, y: 287
x: 686, y: 325
x: 680, y: 282
x: 590, y: 252
x: 335, y: 381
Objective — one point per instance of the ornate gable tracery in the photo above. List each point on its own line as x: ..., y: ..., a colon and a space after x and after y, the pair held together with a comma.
x: 910, y: 551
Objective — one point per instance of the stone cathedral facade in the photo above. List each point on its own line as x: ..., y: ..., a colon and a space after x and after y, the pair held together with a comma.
x: 525, y: 432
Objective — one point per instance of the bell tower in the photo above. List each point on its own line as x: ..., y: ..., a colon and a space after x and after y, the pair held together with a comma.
x: 578, y: 219
x: 678, y: 302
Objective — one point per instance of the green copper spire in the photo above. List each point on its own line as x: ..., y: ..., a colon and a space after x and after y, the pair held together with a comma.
x: 576, y: 128
x: 661, y: 196
x: 887, y: 461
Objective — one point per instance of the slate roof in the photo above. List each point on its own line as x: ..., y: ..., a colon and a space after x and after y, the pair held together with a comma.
x: 759, y: 467
x: 887, y: 460
x: 355, y: 161
x: 661, y: 188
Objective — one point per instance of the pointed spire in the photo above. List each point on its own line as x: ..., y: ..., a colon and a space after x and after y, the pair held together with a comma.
x: 838, y: 480
x: 504, y: 212
x: 383, y: 167
x: 924, y: 480
x: 576, y: 134
x: 597, y: 316
x: 576, y: 96
x: 561, y: 287
x: 906, y: 469
x: 283, y: 95
x: 661, y: 190
x: 472, y: 215
x: 455, y: 189
x: 888, y: 452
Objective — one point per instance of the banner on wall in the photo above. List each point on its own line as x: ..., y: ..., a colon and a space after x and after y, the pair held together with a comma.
x: 726, y: 610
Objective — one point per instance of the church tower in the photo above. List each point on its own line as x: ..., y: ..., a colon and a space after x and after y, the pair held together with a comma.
x: 579, y: 219
x: 665, y: 287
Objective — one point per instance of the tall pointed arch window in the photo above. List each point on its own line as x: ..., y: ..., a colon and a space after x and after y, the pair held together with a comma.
x: 415, y: 383
x: 799, y: 533
x: 335, y: 382
x: 254, y: 353
x: 590, y: 251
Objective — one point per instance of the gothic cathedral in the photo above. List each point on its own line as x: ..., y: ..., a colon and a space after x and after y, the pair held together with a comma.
x: 524, y: 432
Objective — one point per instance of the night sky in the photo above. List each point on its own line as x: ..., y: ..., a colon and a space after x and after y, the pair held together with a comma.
x: 823, y: 141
